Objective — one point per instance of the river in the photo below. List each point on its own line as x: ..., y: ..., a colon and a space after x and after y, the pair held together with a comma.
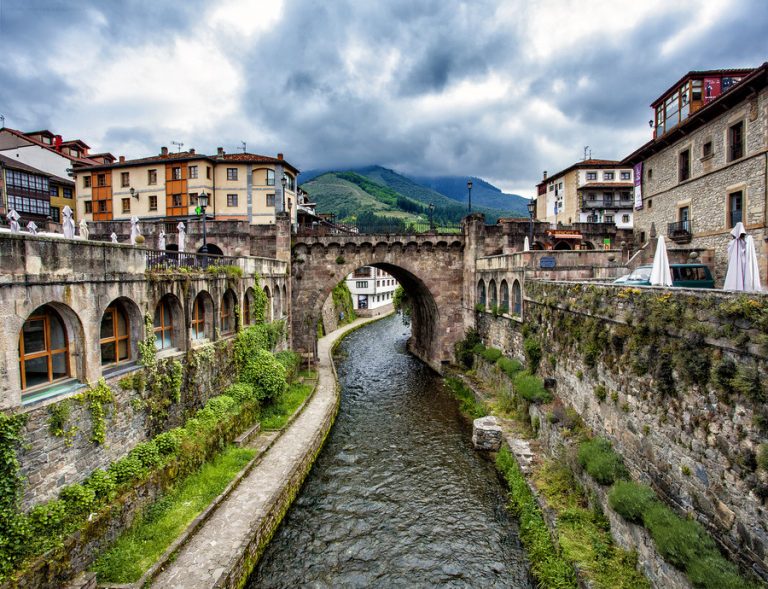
x: 397, y: 497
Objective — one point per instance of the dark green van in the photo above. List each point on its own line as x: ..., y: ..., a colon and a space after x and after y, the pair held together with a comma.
x: 683, y: 276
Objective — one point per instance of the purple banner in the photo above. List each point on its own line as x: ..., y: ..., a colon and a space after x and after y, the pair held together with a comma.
x: 638, y: 170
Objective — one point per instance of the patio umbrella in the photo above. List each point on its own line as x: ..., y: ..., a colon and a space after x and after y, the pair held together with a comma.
x: 526, y: 244
x: 743, y: 269
x: 135, y: 231
x: 161, y: 241
x: 68, y: 225
x: 660, y: 272
x: 182, y: 236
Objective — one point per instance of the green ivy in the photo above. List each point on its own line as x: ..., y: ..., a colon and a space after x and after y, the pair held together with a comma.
x: 10, y: 468
x: 147, y: 347
x: 57, y: 422
x: 96, y: 397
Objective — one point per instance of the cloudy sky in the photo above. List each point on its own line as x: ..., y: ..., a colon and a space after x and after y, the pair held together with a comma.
x: 500, y: 89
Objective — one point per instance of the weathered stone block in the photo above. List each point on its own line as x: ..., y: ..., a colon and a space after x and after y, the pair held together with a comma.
x: 486, y: 434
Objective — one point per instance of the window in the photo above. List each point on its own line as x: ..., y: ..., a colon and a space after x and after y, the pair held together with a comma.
x: 163, y: 324
x: 126, y: 205
x: 55, y: 214
x: 228, y: 313
x: 152, y: 177
x: 706, y: 149
x: 86, y: 181
x: 198, y: 318
x: 625, y: 218
x: 115, y: 338
x: 650, y: 173
x: 270, y: 177
x: 192, y: 172
x: 736, y: 141
x: 607, y: 199
x: 551, y: 187
x: 208, y: 172
x: 53, y: 191
x: 504, y: 296
x: 176, y: 173
x: 684, y: 165
x: 517, y: 298
x: 591, y: 176
x: 481, y: 293
x: 43, y: 348
x: 102, y: 206
x: 88, y: 207
x: 696, y: 90
x: 66, y: 192
x: 101, y: 180
x: 608, y: 219
x: 608, y: 175
x: 231, y: 173
x: 626, y: 175
x: 735, y: 207
x: 152, y: 202
x: 290, y: 184
x: 176, y: 200
x: 270, y: 200
x: 650, y: 203
x: 642, y: 237
x: 361, y: 284
x: 124, y: 179
x: 684, y: 215
x: 231, y: 200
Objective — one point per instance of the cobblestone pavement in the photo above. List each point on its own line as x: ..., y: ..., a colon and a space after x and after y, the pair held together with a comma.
x: 209, y: 554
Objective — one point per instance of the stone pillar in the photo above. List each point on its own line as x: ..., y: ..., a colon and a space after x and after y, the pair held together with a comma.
x: 283, y: 252
x: 473, y: 227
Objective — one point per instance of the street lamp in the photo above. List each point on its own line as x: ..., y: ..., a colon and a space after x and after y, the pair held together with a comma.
x: 134, y: 194
x: 431, y: 218
x: 202, y: 201
x: 283, y: 181
x: 531, y: 215
x: 469, y: 198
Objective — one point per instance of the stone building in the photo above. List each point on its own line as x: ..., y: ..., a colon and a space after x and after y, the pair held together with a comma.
x: 239, y: 186
x: 372, y: 290
x: 590, y: 191
x: 705, y: 168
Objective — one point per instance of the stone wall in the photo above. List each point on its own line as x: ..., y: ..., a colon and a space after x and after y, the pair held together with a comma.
x: 712, y: 178
x: 676, y: 379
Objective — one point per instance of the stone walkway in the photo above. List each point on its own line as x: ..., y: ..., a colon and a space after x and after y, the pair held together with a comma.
x: 213, y: 551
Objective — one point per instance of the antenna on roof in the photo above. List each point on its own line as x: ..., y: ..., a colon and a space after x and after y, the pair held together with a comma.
x: 586, y: 148
x: 2, y: 122
x: 178, y: 144
x: 243, y: 147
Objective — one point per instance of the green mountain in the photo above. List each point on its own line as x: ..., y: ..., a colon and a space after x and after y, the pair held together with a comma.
x: 375, y: 193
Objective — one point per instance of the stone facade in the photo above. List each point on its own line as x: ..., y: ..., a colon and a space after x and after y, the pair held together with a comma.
x: 712, y: 178
x: 619, y: 358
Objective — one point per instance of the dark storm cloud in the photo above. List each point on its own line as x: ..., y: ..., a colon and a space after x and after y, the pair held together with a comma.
x: 409, y: 84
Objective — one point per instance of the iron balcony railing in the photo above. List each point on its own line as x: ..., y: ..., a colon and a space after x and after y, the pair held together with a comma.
x: 169, y: 259
x: 679, y: 227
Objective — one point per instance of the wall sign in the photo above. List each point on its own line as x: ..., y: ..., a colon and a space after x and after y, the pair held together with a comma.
x: 547, y: 262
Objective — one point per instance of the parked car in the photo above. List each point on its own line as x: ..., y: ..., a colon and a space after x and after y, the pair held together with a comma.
x: 683, y: 276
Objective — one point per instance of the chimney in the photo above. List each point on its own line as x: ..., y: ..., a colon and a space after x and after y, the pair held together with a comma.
x: 220, y: 151
x: 280, y: 156
x: 192, y: 151
x: 545, y: 175
x: 163, y: 151
x: 122, y: 159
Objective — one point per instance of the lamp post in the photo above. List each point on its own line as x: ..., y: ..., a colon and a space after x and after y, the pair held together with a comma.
x: 283, y: 181
x: 531, y: 215
x: 431, y: 217
x: 202, y: 200
x: 469, y: 197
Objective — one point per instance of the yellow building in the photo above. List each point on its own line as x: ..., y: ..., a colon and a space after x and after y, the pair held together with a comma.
x: 240, y: 186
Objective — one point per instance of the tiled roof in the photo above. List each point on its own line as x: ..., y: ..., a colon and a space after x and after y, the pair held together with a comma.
x: 79, y: 160
x: 189, y: 156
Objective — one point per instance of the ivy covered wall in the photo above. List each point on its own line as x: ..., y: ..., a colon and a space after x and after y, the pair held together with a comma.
x: 677, y: 380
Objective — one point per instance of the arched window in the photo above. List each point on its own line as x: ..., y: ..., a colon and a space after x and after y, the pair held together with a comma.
x: 163, y: 324
x: 115, y: 335
x: 202, y: 317
x: 492, y: 292
x: 268, y: 315
x: 517, y: 298
x: 248, y: 307
x: 43, y: 348
x: 504, y: 295
x: 481, y: 293
x: 277, y: 311
x: 228, y: 321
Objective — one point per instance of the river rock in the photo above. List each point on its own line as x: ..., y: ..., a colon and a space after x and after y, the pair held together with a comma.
x: 486, y: 433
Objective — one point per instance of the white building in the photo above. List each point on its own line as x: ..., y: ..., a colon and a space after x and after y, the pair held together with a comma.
x: 372, y: 289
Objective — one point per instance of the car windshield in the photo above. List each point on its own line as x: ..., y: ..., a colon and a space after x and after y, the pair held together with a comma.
x: 640, y: 274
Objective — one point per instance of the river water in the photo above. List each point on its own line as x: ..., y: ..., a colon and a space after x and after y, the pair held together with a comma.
x: 397, y: 497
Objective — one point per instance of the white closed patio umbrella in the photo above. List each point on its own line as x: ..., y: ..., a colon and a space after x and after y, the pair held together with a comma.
x: 526, y: 245
x: 743, y: 269
x: 661, y: 275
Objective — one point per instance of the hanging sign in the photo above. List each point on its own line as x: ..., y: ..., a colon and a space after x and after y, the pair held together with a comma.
x: 638, y: 177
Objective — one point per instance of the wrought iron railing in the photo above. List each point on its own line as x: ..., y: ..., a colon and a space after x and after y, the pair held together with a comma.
x: 679, y: 228
x: 169, y: 260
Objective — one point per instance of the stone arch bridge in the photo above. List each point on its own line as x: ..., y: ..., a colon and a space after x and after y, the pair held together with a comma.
x: 430, y: 267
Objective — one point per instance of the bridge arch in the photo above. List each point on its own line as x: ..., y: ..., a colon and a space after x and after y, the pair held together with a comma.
x: 432, y: 277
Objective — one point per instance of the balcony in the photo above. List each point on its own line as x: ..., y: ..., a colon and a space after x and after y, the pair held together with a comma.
x: 607, y: 203
x: 680, y: 232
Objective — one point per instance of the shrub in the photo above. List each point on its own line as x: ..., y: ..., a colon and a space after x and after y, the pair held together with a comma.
x: 713, y: 571
x: 169, y: 442
x: 478, y: 348
x: 48, y: 519
x: 762, y: 456
x: 723, y: 373
x: 240, y: 392
x: 630, y: 500
x: 126, y: 469
x: 102, y: 483
x: 509, y: 366
x: 291, y: 362
x: 467, y: 347
x: 468, y: 403
x: 77, y: 499
x: 265, y: 374
x: 678, y: 540
x: 492, y: 354
x: 532, y: 349
x: 147, y: 454
x: 601, y: 392
x: 601, y: 462
x: 531, y: 388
